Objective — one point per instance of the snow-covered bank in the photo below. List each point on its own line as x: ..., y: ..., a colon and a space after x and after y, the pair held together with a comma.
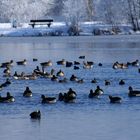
x: 61, y: 29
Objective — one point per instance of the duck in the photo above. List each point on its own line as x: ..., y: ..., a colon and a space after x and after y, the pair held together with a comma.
x: 7, y: 99
x: 32, y: 76
x: 35, y: 115
x: 1, y: 87
x: 68, y: 64
x: 80, y: 81
x: 115, y: 99
x: 49, y: 100
x: 122, y: 82
x: 60, y: 73
x: 6, y: 83
x: 24, y: 62
x: 17, y: 76
x: 118, y: 65
x: 139, y: 70
x: 61, y: 62
x: 35, y: 59
x: 76, y: 63
x: 87, y: 65
x: 107, y: 82
x: 60, y: 97
x: 27, y: 92
x: 73, y: 78
x: 133, y: 93
x: 70, y: 96
x: 99, y: 90
x: 94, y: 80
x: 7, y: 72
x: 37, y: 71
x: 92, y: 94
x: 50, y: 75
x: 71, y: 93
x: 46, y: 64
x: 65, y: 80
x: 82, y: 57
x: 134, y: 63
x: 54, y: 78
x: 76, y: 68
x: 100, y: 64
x: 7, y: 64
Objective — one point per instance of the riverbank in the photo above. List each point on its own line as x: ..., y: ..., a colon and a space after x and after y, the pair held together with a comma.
x: 61, y: 29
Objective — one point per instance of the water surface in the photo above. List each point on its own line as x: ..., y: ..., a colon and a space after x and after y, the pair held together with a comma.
x: 86, y: 119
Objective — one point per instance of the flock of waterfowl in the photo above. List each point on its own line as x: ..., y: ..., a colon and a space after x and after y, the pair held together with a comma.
x: 56, y: 76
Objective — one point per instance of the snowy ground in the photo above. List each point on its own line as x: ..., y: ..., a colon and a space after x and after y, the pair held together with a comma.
x: 59, y: 28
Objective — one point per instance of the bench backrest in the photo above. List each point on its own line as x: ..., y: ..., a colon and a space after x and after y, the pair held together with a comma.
x: 42, y: 20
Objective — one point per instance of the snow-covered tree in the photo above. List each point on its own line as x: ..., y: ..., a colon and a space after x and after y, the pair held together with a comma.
x: 24, y: 10
x: 57, y: 7
x: 74, y: 10
x: 90, y: 9
x: 110, y: 11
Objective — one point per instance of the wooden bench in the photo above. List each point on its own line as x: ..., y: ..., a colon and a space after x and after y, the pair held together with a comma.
x: 41, y: 22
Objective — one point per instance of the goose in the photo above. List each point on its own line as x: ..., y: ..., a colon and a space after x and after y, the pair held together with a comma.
x: 68, y: 64
x: 118, y: 65
x: 35, y: 59
x: 76, y: 68
x: 76, y: 63
x: 61, y: 62
x: 94, y: 80
x: 122, y: 82
x: 73, y: 78
x: 6, y: 64
x: 35, y: 114
x: 134, y: 63
x: 45, y: 64
x: 115, y: 99
x: 107, y: 82
x: 100, y: 64
x: 37, y: 71
x: 60, y: 73
x: 50, y: 75
x: 24, y: 62
x: 49, y: 100
x: 92, y: 94
x: 133, y: 93
x: 54, y: 78
x: 7, y: 99
x: 71, y: 93
x: 87, y: 65
x: 65, y: 80
x: 80, y: 81
x: 82, y: 57
x: 6, y: 83
x: 7, y: 71
x: 27, y: 92
x: 60, y: 97
x: 99, y: 90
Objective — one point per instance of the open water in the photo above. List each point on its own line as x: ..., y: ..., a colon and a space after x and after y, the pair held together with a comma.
x: 86, y: 119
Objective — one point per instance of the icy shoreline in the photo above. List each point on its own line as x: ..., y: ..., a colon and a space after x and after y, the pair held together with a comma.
x: 61, y: 29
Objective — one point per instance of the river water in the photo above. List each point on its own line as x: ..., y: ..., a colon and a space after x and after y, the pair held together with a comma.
x: 85, y: 119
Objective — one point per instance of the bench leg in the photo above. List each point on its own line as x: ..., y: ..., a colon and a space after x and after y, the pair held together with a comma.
x: 49, y: 24
x: 33, y: 25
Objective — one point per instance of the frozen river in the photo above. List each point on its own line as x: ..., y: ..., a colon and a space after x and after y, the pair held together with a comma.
x: 86, y: 119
